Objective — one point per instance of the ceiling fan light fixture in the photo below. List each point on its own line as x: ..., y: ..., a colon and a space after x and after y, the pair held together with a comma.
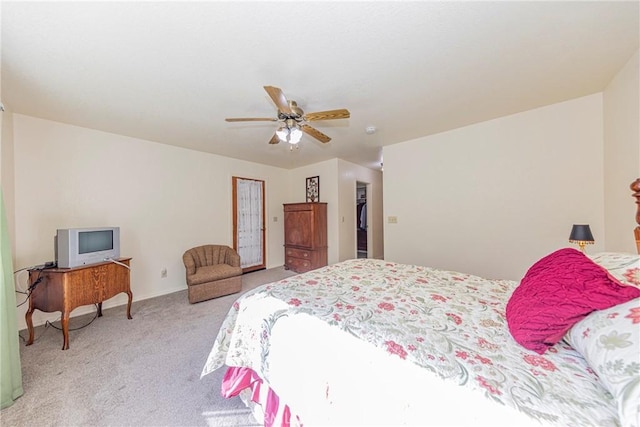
x: 283, y: 133
x: 293, y: 120
x: 295, y: 135
x: 290, y: 134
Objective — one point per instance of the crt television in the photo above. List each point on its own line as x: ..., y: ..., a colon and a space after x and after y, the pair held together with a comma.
x: 81, y: 246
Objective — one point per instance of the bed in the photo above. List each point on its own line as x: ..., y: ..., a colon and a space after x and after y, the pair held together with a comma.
x: 371, y: 342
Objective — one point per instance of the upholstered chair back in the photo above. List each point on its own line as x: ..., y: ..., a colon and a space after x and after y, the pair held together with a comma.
x: 205, y: 255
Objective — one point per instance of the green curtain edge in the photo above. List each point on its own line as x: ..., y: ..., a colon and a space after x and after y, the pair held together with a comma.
x: 10, y: 366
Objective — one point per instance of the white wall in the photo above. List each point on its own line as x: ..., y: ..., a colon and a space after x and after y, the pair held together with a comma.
x: 7, y: 170
x: 491, y: 198
x: 462, y: 198
x: 328, y: 173
x: 621, y: 155
x: 349, y: 174
x: 338, y: 189
x: 165, y: 199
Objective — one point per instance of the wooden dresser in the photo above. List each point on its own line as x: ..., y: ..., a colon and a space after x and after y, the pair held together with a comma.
x: 305, y: 236
x: 63, y: 289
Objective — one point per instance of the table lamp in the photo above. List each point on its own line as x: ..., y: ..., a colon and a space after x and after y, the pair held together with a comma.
x: 581, y: 234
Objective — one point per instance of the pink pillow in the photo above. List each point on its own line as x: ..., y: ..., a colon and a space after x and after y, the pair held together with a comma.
x: 558, y: 291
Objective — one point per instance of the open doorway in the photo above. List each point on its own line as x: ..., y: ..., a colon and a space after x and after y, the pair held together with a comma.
x: 361, y: 220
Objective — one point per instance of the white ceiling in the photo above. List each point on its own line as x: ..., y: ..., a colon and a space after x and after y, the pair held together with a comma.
x: 171, y: 72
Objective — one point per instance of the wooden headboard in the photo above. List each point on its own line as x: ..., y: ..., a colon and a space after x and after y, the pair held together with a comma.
x: 635, y: 186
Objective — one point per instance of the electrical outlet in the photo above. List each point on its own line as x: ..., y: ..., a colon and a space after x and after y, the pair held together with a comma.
x: 393, y: 220
x: 275, y: 219
x: 163, y: 273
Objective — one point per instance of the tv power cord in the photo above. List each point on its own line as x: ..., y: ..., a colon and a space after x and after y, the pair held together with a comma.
x: 30, y: 288
x: 48, y: 324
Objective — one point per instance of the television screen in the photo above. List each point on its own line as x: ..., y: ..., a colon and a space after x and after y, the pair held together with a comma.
x: 94, y: 241
x: 82, y: 246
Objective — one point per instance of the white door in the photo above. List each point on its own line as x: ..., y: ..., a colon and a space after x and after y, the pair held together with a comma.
x: 248, y: 222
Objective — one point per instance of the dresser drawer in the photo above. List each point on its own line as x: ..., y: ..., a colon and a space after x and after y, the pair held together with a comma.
x: 298, y: 265
x: 297, y: 253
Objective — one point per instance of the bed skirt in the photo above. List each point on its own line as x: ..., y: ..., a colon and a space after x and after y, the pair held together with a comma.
x: 259, y: 397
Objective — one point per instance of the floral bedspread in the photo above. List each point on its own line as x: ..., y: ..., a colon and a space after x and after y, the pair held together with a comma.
x: 449, y: 323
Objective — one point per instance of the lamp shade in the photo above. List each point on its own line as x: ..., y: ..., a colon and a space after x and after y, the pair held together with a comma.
x: 291, y: 134
x: 581, y: 233
x: 295, y: 135
x: 282, y: 133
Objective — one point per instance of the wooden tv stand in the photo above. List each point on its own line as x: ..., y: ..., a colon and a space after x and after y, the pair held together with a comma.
x: 64, y: 289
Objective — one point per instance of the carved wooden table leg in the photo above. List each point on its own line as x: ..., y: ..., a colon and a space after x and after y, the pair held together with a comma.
x: 65, y: 330
x: 30, y: 324
x: 130, y: 294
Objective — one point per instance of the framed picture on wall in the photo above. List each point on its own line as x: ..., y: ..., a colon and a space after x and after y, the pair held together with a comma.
x: 313, y: 189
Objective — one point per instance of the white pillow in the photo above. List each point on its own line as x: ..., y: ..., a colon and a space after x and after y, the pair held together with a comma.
x: 609, y: 340
x: 624, y: 267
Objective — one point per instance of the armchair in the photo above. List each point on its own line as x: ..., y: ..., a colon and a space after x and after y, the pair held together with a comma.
x: 212, y: 271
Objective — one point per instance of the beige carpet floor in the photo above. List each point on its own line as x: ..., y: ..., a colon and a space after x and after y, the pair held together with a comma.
x: 139, y: 372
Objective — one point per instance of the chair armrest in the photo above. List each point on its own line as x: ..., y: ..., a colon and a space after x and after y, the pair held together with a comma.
x: 189, y: 263
x: 232, y: 258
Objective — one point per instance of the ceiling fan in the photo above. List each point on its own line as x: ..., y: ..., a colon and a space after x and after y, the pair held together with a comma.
x: 293, y: 119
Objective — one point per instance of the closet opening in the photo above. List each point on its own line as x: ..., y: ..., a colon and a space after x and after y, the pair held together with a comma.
x: 361, y: 220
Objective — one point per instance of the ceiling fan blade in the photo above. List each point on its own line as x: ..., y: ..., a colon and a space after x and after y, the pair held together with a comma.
x: 251, y: 119
x: 315, y: 133
x: 274, y: 139
x: 328, y: 115
x: 279, y: 99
